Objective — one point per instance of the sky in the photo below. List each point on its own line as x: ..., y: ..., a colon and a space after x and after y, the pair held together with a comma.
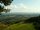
x: 25, y: 6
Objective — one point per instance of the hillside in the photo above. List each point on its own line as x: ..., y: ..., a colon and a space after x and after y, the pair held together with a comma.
x: 17, y: 22
x: 20, y: 27
x: 12, y: 19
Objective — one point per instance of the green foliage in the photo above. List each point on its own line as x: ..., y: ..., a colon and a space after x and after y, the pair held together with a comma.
x: 1, y: 8
x: 5, y: 2
x: 35, y: 21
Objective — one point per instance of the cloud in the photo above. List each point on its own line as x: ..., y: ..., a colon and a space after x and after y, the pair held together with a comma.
x: 36, y: 0
x: 9, y: 6
x: 23, y: 8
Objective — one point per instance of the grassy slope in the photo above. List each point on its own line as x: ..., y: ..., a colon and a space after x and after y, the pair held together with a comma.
x: 20, y: 27
x: 2, y: 26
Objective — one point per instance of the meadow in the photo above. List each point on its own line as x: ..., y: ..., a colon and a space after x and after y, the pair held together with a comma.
x: 18, y: 26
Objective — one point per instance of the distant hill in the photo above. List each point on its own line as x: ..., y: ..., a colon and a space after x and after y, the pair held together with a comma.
x: 21, y: 14
x: 15, y: 18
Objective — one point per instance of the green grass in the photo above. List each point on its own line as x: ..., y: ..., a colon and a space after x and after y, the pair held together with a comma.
x: 20, y: 27
x: 2, y: 26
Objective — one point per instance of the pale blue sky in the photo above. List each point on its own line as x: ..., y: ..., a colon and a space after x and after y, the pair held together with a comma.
x: 28, y: 6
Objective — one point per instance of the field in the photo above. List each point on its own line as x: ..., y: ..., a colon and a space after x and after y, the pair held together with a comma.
x: 15, y: 23
x: 20, y: 27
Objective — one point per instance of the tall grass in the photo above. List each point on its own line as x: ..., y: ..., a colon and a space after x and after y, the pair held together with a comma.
x: 2, y: 26
x: 20, y: 27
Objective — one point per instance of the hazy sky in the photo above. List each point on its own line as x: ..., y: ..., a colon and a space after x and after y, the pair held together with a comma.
x: 27, y: 6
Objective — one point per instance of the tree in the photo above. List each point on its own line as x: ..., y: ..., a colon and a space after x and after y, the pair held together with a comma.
x: 6, y: 3
x: 35, y: 21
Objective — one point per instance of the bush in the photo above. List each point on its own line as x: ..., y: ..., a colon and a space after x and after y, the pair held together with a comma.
x: 35, y: 21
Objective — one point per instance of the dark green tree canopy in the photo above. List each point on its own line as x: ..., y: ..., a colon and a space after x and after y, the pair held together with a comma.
x: 1, y: 8
x: 5, y: 3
